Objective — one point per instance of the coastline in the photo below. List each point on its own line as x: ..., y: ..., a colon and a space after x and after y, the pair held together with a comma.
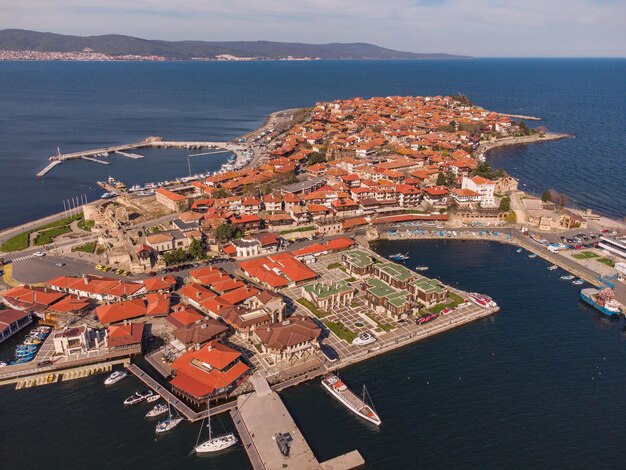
x: 486, y: 146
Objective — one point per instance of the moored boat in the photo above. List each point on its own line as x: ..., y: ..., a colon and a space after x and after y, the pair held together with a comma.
x: 115, y: 377
x: 602, y: 300
x: 481, y: 300
x: 567, y: 277
x: 138, y: 397
x: 553, y: 267
x: 168, y: 424
x: 349, y: 399
x: 213, y: 444
x: 364, y: 339
x: 578, y: 282
x: 158, y: 410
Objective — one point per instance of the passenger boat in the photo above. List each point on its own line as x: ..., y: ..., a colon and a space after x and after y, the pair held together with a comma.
x: 603, y: 300
x: 364, y: 339
x: 168, y: 424
x: 427, y: 318
x: 358, y: 405
x: 213, y: 444
x: 578, y: 282
x: 567, y: 277
x: 553, y: 267
x: 115, y: 377
x: 158, y: 410
x: 481, y: 300
x: 138, y: 397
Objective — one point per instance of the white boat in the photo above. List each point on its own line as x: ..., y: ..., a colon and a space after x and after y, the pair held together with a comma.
x: 213, y: 444
x: 481, y: 300
x: 578, y: 282
x: 568, y: 277
x: 364, y: 338
x: 138, y: 397
x: 168, y: 424
x: 158, y: 410
x: 519, y: 250
x: 421, y: 268
x: 3, y: 364
x: 553, y: 267
x: 357, y: 405
x: 115, y: 377
x: 153, y: 398
x: 134, y: 188
x: 532, y: 255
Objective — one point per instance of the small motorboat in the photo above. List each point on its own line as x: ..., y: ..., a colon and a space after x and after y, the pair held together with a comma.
x: 519, y: 250
x: 553, y: 267
x: 578, y: 282
x: 568, y: 277
x: 364, y: 338
x: 158, y: 410
x: 21, y: 360
x: 421, y: 268
x: 532, y: 255
x: 153, y: 398
x: 447, y: 311
x: 3, y: 364
x: 138, y: 397
x: 115, y: 377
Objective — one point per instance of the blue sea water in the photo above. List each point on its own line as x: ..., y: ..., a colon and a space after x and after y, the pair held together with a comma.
x: 74, y: 106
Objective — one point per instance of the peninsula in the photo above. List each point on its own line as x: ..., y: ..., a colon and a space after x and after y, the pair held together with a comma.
x: 238, y: 284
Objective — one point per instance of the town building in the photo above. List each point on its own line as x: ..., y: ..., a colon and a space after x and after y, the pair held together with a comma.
x: 12, y: 321
x: 328, y: 296
x: 428, y: 292
x: 291, y: 339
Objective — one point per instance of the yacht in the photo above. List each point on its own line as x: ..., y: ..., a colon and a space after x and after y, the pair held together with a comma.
x: 138, y: 397
x: 481, y: 300
x: 168, y: 424
x: 115, y: 377
x: 364, y: 338
x: 158, y: 410
x: 358, y: 405
x: 213, y: 444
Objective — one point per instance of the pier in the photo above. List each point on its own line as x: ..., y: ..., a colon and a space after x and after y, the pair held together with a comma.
x: 129, y: 155
x: 125, y: 150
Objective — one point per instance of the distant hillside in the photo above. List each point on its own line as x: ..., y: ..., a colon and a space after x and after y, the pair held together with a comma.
x: 115, y: 45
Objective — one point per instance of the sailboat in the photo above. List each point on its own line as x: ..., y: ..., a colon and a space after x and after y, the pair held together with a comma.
x: 213, y: 444
x: 169, y: 423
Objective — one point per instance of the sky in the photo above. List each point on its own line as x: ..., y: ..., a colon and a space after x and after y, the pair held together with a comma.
x: 482, y: 28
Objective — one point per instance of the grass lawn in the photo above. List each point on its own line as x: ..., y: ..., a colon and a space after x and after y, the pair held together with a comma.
x: 606, y: 261
x: 585, y: 255
x: 16, y: 243
x: 20, y: 242
x: 334, y: 266
x: 86, y: 225
x: 314, y: 310
x: 381, y: 325
x: 86, y: 248
x: 47, y: 236
x: 457, y: 299
x: 340, y: 330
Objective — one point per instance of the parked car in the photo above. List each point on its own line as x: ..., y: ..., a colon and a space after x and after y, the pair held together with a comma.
x: 39, y: 254
x: 44, y: 363
x: 60, y: 265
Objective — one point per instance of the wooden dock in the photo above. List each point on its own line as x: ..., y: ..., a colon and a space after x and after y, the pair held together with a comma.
x: 174, y: 401
x: 130, y: 155
x: 95, y: 160
x: 246, y: 440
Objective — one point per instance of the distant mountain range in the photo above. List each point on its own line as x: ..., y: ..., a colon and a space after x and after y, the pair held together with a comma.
x: 119, y: 45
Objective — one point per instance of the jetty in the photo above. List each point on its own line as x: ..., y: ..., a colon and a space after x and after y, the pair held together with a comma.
x: 126, y: 150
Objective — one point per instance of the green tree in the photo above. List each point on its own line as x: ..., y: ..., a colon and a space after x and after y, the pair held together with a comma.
x: 225, y: 232
x: 196, y: 249
x: 316, y: 157
x: 290, y: 178
x: 441, y: 179
x: 505, y: 204
x: 546, y: 196
x: 511, y: 217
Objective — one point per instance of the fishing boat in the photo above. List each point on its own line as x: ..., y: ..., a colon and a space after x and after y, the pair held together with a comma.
x: 358, y: 405
x: 115, y: 377
x: 553, y: 267
x: 532, y: 255
x: 138, y: 397
x: 602, y: 300
x: 364, y: 339
x: 481, y: 300
x: 567, y: 277
x: 21, y: 360
x: 158, y: 410
x: 213, y: 444
x: 168, y: 424
x: 578, y: 282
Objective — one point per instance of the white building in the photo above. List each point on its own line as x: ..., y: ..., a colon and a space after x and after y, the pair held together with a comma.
x: 484, y: 187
